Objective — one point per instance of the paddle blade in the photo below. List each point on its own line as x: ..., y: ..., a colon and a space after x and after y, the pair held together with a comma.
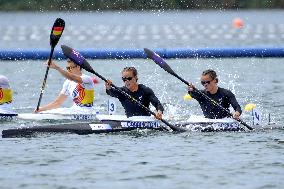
x: 56, y: 31
x: 77, y: 58
x: 158, y: 60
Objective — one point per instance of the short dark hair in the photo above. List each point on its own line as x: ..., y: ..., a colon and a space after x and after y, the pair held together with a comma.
x: 134, y: 71
x: 211, y: 73
x: 68, y: 60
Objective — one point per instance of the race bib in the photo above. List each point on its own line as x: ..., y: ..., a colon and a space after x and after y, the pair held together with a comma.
x: 6, y: 95
x: 87, y: 97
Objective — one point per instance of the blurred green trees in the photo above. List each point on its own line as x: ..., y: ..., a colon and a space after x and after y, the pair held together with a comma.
x: 94, y: 5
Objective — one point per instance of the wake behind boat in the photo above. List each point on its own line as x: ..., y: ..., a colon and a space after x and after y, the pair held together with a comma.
x: 118, y: 123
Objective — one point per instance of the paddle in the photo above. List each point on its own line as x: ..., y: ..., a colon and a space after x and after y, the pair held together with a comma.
x: 55, y: 35
x: 78, y: 59
x: 158, y: 60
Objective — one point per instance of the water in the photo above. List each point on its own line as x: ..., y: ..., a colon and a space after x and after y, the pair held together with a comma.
x: 193, y: 29
x: 148, y: 159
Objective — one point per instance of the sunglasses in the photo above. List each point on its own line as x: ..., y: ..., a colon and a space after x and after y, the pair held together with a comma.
x: 70, y: 67
x: 126, y: 78
x: 205, y: 82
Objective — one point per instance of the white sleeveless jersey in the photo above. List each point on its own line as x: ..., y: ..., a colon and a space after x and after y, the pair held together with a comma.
x: 81, y: 94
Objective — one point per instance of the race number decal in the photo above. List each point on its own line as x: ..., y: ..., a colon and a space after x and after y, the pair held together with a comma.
x: 111, y: 106
x: 256, y: 117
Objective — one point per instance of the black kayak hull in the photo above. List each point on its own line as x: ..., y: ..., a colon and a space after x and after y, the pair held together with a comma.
x: 110, y: 126
x: 78, y: 128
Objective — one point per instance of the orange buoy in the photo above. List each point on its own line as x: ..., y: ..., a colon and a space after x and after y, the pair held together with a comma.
x: 238, y: 23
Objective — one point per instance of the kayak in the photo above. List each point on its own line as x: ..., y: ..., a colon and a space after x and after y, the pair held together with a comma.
x: 119, y: 123
x: 47, y: 116
x: 55, y: 114
x: 105, y: 124
x: 200, y: 123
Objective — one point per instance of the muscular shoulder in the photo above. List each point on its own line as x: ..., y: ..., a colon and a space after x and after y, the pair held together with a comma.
x: 86, y: 78
x: 226, y: 92
x: 145, y: 88
x: 66, y: 83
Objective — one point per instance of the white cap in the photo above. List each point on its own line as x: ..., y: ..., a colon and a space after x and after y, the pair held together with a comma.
x: 4, y: 82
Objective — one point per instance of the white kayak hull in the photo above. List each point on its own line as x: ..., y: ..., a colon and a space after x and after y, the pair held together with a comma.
x: 49, y: 116
x: 200, y: 123
x: 58, y: 114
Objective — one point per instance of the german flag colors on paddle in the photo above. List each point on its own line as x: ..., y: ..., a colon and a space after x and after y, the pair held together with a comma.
x: 56, y: 31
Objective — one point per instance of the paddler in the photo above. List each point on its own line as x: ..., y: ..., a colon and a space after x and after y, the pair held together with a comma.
x: 78, y: 86
x: 140, y: 92
x: 223, y: 97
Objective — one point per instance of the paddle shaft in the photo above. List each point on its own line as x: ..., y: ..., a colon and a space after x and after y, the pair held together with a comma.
x: 174, y: 128
x: 45, y: 78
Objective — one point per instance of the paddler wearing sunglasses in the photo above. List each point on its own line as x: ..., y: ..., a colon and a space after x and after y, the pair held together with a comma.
x: 78, y: 86
x: 223, y: 97
x: 140, y: 92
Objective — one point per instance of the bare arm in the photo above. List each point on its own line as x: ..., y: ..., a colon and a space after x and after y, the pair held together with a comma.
x: 113, y: 92
x: 108, y: 84
x: 157, y: 104
x: 237, y: 108
x: 66, y: 74
x: 54, y: 104
x: 193, y: 92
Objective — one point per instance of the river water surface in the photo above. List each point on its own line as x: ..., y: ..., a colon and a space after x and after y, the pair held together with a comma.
x: 147, y: 159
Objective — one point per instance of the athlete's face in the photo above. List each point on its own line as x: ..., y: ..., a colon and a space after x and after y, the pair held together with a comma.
x: 129, y: 80
x: 208, y: 83
x: 72, y: 67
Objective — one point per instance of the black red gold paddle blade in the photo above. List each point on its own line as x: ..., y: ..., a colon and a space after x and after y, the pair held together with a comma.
x: 56, y: 32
